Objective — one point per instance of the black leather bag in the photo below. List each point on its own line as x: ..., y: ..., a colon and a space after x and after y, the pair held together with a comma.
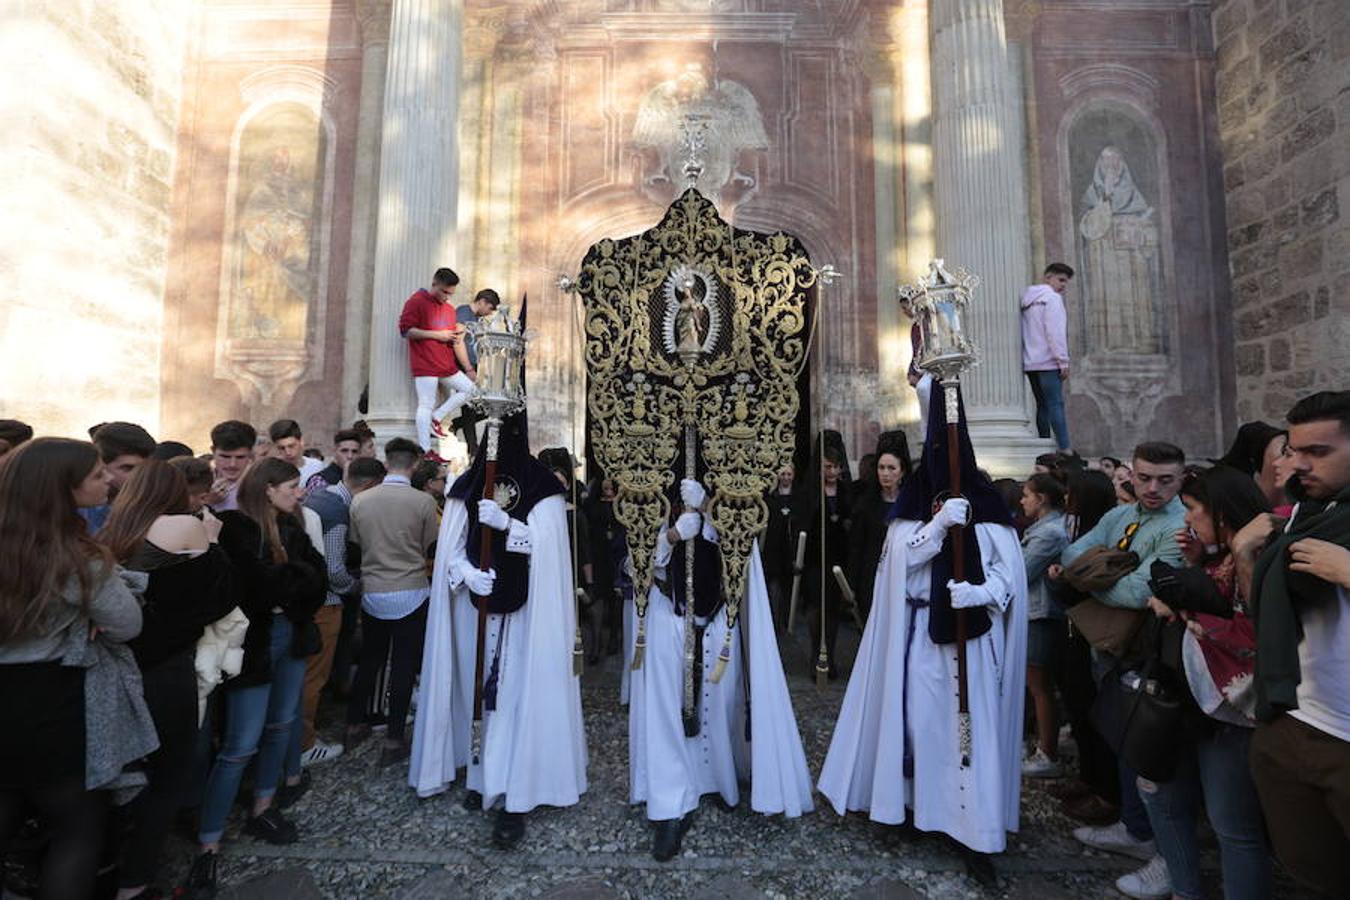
x: 306, y: 640
x: 1140, y: 710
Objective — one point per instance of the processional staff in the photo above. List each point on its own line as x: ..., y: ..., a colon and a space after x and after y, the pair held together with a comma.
x: 498, y: 393
x: 938, y: 301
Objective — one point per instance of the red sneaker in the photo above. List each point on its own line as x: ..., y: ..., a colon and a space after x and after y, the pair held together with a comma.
x: 435, y: 457
x: 438, y: 429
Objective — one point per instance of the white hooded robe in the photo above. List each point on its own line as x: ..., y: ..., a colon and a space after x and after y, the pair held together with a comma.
x: 902, y: 692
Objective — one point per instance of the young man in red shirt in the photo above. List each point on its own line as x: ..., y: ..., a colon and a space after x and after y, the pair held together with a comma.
x: 437, y: 355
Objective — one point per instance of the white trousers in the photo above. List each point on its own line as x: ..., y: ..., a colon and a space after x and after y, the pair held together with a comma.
x: 458, y: 387
x: 925, y: 390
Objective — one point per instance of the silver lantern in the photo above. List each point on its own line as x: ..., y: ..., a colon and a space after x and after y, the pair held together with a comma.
x: 500, y: 389
x: 938, y: 302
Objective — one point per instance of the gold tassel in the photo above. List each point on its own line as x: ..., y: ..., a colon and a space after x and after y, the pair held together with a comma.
x: 822, y: 669
x: 723, y: 660
x: 578, y: 654
x: 640, y: 645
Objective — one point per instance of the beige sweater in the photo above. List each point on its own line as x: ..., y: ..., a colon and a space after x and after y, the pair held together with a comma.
x: 395, y: 526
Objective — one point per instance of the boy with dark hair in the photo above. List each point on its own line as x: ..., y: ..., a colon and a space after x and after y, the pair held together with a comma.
x: 395, y: 526
x: 1148, y: 528
x: 232, y: 444
x: 484, y: 304
x: 1045, y: 350
x: 346, y: 447
x: 1297, y: 574
x: 332, y: 505
x: 288, y: 443
x: 123, y: 447
x: 437, y: 358
x: 13, y: 433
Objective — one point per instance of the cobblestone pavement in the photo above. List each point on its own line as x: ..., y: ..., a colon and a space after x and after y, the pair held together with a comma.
x: 364, y: 833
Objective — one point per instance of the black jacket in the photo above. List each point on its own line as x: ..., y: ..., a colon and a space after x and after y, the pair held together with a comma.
x: 297, y: 587
x: 180, y: 601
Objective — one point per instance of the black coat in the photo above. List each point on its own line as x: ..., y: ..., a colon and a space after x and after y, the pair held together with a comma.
x: 180, y: 601
x: 780, y: 535
x: 297, y: 587
x: 867, y: 538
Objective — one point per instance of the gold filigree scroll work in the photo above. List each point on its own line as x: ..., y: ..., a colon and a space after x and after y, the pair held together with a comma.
x: 743, y: 297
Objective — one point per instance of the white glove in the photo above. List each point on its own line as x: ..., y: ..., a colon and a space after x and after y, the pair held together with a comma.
x: 475, y: 579
x: 955, y: 511
x: 692, y: 493
x: 492, y: 515
x: 969, y: 596
x: 687, y: 525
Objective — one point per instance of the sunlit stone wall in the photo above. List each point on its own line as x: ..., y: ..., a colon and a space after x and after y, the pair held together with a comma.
x: 89, y: 105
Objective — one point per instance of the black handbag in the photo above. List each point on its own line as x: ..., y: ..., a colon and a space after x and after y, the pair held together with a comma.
x: 306, y: 640
x: 1140, y: 709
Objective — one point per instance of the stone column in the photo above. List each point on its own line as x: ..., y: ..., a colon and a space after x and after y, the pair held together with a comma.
x: 374, y: 19
x: 418, y: 190
x: 982, y: 218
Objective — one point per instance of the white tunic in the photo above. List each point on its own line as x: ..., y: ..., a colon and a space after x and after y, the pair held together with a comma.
x: 668, y: 771
x: 534, y: 744
x: 898, y: 699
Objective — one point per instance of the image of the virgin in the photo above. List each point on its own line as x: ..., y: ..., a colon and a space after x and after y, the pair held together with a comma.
x: 691, y: 318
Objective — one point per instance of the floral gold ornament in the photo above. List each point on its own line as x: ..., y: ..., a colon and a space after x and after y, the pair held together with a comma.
x: 694, y: 330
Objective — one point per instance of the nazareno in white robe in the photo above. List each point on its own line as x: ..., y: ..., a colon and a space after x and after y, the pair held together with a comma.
x: 864, y: 769
x: 534, y: 743
x: 670, y: 772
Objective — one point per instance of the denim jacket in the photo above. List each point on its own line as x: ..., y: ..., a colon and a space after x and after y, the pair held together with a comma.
x: 1042, y: 543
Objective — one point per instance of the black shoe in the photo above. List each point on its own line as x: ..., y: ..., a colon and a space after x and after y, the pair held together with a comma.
x: 980, y: 868
x: 288, y: 794
x: 510, y: 828
x: 271, y: 826
x: 391, y: 755
x: 669, y: 836
x: 201, y: 880
x: 473, y: 801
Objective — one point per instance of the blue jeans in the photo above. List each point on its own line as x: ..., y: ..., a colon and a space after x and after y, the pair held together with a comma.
x: 258, y: 721
x: 1215, y: 769
x: 1048, y: 389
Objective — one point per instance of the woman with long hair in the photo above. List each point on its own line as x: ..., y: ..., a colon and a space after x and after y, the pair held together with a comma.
x: 58, y: 589
x: 1094, y: 796
x: 281, y: 583
x: 871, y: 505
x: 149, y: 529
x: 1043, y: 541
x: 1218, y: 659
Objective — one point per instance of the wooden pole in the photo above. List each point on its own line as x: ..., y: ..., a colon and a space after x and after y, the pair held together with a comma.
x: 957, y: 532
x: 484, y: 563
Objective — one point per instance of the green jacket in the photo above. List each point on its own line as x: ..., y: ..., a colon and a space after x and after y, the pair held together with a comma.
x: 1278, y: 594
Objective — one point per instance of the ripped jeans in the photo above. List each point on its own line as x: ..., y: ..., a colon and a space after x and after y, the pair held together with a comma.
x: 258, y: 721
x: 1213, y: 771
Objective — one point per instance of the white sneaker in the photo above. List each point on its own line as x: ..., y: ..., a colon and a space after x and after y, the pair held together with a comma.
x: 1115, y: 839
x: 1038, y: 765
x: 1149, y: 883
x: 320, y: 753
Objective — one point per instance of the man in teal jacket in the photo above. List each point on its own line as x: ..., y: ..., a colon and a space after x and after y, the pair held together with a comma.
x: 1148, y: 527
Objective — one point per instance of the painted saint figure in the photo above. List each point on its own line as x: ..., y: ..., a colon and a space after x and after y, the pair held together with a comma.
x: 1122, y: 275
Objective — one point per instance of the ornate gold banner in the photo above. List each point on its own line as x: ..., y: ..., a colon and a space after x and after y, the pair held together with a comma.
x: 695, y: 323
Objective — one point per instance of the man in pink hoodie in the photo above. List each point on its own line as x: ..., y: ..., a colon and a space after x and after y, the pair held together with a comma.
x: 1045, y: 350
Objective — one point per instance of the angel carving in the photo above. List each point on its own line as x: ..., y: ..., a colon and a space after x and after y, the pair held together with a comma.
x: 732, y: 129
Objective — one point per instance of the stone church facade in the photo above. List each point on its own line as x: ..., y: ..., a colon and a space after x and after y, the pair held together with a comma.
x: 217, y: 207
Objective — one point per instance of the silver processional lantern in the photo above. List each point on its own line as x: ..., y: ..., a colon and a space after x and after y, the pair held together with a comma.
x: 500, y: 389
x: 938, y: 302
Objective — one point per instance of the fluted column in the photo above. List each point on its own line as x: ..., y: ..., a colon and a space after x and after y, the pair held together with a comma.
x: 373, y: 16
x: 418, y: 190
x: 982, y: 218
